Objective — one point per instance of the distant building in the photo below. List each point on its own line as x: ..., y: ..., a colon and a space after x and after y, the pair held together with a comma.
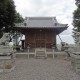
x: 40, y: 32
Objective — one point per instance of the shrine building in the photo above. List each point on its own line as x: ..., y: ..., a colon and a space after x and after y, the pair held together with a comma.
x: 40, y: 32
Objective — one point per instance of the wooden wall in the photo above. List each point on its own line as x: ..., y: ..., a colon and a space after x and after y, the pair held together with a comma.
x: 40, y: 38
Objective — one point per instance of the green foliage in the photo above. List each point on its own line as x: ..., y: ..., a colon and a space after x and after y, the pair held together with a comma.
x: 1, y: 33
x: 7, y: 14
x: 3, y: 12
x: 19, y: 18
x: 77, y: 2
x: 76, y: 19
x: 10, y: 19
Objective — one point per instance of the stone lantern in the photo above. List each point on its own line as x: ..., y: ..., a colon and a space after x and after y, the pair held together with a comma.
x: 75, y: 56
x: 7, y: 55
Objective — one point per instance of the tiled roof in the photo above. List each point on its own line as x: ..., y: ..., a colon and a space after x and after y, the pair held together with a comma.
x: 40, y: 22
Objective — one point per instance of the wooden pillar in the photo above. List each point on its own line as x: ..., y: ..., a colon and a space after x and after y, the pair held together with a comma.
x: 16, y: 38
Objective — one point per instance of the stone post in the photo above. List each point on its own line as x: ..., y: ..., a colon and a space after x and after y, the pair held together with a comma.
x: 75, y: 56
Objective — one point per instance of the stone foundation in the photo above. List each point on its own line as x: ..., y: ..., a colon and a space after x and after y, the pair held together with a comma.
x: 75, y: 61
x: 7, y: 62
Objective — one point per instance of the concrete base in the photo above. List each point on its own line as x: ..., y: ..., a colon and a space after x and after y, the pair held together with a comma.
x: 7, y: 70
x: 75, y: 61
x: 7, y: 63
x: 60, y: 55
x: 26, y: 55
x: 5, y: 57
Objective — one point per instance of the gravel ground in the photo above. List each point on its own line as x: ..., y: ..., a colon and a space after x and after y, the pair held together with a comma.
x: 41, y: 69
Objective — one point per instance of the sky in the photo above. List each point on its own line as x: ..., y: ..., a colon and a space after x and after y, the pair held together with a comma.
x: 61, y: 9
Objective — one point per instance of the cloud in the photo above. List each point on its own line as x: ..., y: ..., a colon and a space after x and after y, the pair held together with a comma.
x: 39, y: 7
x: 62, y: 9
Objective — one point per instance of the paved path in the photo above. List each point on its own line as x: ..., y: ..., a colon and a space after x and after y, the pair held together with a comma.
x: 41, y: 69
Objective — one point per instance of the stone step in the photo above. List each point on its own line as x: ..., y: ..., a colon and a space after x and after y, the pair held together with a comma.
x: 40, y: 54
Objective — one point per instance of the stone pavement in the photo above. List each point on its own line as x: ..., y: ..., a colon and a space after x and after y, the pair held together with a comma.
x: 41, y: 69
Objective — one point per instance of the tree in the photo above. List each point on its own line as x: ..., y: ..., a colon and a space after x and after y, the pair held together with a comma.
x: 76, y: 21
x: 7, y: 15
x: 3, y: 7
x: 77, y: 2
x: 10, y: 19
x: 76, y: 18
x: 18, y: 18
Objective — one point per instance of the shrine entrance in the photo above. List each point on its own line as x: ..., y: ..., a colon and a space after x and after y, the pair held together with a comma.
x: 40, y: 43
x: 40, y: 39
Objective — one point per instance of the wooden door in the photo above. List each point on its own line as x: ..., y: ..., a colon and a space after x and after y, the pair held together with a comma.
x: 40, y: 39
x: 40, y: 43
